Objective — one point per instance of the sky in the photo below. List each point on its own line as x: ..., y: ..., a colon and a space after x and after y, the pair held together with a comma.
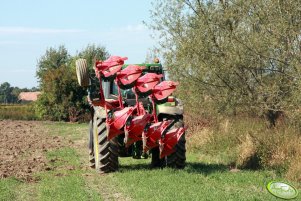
x: 28, y: 28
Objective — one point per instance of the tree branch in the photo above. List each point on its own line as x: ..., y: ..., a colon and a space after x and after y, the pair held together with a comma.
x: 188, y: 3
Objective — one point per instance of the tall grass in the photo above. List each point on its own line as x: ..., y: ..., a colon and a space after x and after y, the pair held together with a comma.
x: 248, y: 143
x: 18, y: 112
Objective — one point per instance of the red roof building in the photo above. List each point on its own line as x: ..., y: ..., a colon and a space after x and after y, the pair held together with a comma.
x: 29, y: 96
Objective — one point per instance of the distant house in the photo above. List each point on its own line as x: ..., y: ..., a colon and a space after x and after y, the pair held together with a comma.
x: 28, y: 96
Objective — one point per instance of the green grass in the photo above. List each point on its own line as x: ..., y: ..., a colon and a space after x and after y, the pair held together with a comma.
x: 18, y: 112
x: 198, y: 181
x: 73, y: 131
x: 65, y: 181
x: 204, y: 178
x: 7, y: 187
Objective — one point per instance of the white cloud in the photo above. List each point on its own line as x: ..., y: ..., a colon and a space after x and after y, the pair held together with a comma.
x: 135, y: 28
x: 32, y: 30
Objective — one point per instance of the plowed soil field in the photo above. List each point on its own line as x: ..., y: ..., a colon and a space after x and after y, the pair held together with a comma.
x: 22, y: 148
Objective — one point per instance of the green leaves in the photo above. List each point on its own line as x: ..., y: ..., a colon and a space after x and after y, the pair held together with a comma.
x: 62, y: 98
x: 238, y: 55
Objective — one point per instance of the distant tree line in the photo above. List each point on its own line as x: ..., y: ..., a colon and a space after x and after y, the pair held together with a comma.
x: 9, y: 94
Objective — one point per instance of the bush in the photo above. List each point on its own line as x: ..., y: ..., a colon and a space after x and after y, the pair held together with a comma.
x: 61, y: 96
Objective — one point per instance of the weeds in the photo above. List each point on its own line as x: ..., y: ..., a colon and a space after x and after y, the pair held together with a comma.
x: 247, y: 153
x: 249, y: 143
x: 18, y: 112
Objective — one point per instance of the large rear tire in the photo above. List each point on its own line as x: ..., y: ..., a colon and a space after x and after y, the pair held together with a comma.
x: 91, y: 150
x: 106, y: 151
x: 156, y: 162
x: 82, y: 72
x: 178, y: 158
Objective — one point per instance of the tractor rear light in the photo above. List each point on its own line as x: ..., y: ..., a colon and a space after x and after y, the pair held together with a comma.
x: 171, y: 99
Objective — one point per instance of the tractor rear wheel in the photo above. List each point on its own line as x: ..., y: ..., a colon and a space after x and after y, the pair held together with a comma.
x: 178, y: 158
x: 91, y: 150
x: 82, y: 72
x: 156, y: 162
x: 106, y: 151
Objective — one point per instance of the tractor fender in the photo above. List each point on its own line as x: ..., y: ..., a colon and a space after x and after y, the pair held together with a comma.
x: 171, y: 108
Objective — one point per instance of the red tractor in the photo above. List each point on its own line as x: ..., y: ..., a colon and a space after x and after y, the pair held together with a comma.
x: 132, y: 114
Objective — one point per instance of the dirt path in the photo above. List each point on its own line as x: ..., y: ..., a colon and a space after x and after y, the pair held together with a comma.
x: 22, y: 148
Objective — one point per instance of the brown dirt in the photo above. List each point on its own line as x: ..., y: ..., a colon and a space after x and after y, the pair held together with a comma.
x: 23, y: 145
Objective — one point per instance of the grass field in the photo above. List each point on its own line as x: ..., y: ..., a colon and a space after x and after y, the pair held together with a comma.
x: 68, y: 178
x: 17, y: 112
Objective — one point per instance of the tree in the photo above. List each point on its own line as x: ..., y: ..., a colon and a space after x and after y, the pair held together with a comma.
x: 53, y: 59
x: 231, y: 54
x: 5, y: 92
x: 62, y: 98
x: 8, y: 94
x: 92, y: 53
x: 15, y: 93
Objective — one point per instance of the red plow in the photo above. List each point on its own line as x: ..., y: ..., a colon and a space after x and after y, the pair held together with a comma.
x: 133, y: 123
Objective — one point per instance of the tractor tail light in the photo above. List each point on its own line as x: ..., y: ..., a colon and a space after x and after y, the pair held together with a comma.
x: 171, y: 99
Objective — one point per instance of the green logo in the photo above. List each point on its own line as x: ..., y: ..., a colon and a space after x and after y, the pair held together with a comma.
x: 282, y: 190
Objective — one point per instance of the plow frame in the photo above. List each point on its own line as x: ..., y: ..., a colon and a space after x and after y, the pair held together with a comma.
x: 135, y: 122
